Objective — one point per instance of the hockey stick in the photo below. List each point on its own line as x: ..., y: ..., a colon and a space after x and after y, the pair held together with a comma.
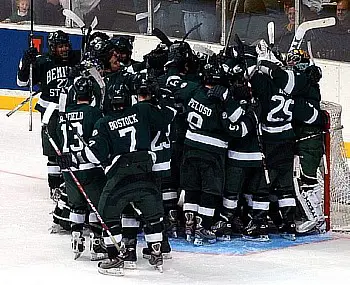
x: 231, y: 26
x: 309, y: 50
x: 90, y: 29
x: 191, y: 30
x: 163, y: 37
x: 74, y: 17
x: 45, y: 121
x: 271, y: 33
x: 261, y: 148
x: 309, y: 25
x: 97, y: 76
x: 88, y: 34
x: 80, y: 23
x: 241, y: 52
x: 31, y: 67
x: 20, y: 105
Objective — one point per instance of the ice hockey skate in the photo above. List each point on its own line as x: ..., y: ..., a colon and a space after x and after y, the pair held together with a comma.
x: 129, y: 253
x: 156, y: 259
x: 189, y: 226
x: 171, y: 224
x: 97, y: 248
x: 203, y: 235
x: 288, y: 231
x: 165, y: 248
x: 114, y: 267
x: 222, y: 230
x: 256, y: 232
x: 78, y: 244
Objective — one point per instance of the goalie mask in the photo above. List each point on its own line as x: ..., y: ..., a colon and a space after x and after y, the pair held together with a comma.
x: 59, y: 44
x: 298, y: 58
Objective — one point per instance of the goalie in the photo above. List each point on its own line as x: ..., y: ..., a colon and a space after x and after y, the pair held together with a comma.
x: 309, y: 146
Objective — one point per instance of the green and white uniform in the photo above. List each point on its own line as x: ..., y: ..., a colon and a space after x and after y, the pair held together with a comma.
x: 51, y: 74
x: 121, y: 142
x: 79, y: 120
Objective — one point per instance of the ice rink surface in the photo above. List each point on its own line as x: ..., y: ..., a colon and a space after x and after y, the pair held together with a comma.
x: 30, y: 255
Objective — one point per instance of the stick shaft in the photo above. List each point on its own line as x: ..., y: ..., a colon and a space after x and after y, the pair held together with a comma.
x: 231, y: 26
x: 20, y: 105
x: 31, y: 67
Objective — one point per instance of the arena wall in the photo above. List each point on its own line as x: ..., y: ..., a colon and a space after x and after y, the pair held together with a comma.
x: 335, y: 84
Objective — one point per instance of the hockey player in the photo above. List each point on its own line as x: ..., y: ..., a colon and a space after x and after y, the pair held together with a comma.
x: 309, y: 143
x: 165, y: 167
x: 278, y: 143
x: 161, y: 147
x: 243, y: 163
x: 50, y: 71
x: 275, y: 87
x: 76, y: 126
x: 205, y: 147
x: 122, y: 47
x: 121, y: 142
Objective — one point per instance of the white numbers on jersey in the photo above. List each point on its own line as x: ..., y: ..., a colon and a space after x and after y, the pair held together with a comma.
x: 77, y: 129
x: 157, y: 144
x: 132, y: 132
x: 61, y: 82
x: 195, y: 120
x: 281, y: 112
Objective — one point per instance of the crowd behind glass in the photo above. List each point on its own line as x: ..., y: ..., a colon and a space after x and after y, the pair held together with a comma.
x: 176, y: 17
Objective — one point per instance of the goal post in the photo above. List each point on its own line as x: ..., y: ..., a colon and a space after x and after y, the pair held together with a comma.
x: 335, y: 178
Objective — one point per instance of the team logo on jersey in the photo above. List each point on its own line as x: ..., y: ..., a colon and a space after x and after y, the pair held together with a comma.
x: 224, y: 115
x: 183, y: 85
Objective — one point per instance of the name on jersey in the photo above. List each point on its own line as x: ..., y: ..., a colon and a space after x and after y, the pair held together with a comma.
x: 123, y: 122
x: 56, y: 72
x: 75, y: 116
x: 200, y: 107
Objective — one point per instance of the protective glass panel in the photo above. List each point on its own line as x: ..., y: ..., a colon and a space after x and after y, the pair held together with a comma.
x: 333, y: 42
x: 253, y: 16
x: 176, y: 18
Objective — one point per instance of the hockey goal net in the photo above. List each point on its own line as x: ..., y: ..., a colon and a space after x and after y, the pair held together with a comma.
x: 335, y: 179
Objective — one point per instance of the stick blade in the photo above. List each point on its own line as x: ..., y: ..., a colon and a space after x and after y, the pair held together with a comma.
x: 271, y: 33
x: 162, y: 37
x: 94, y: 23
x: 74, y: 17
x: 309, y: 25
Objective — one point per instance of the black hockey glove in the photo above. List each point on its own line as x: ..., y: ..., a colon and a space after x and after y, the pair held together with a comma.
x: 314, y: 74
x: 29, y: 57
x: 157, y: 58
x: 219, y: 93
x: 65, y: 161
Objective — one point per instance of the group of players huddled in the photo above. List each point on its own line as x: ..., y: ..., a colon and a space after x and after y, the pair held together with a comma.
x: 185, y: 144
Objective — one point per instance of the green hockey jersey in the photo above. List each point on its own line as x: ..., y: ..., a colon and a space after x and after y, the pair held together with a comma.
x: 126, y: 131
x: 51, y: 74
